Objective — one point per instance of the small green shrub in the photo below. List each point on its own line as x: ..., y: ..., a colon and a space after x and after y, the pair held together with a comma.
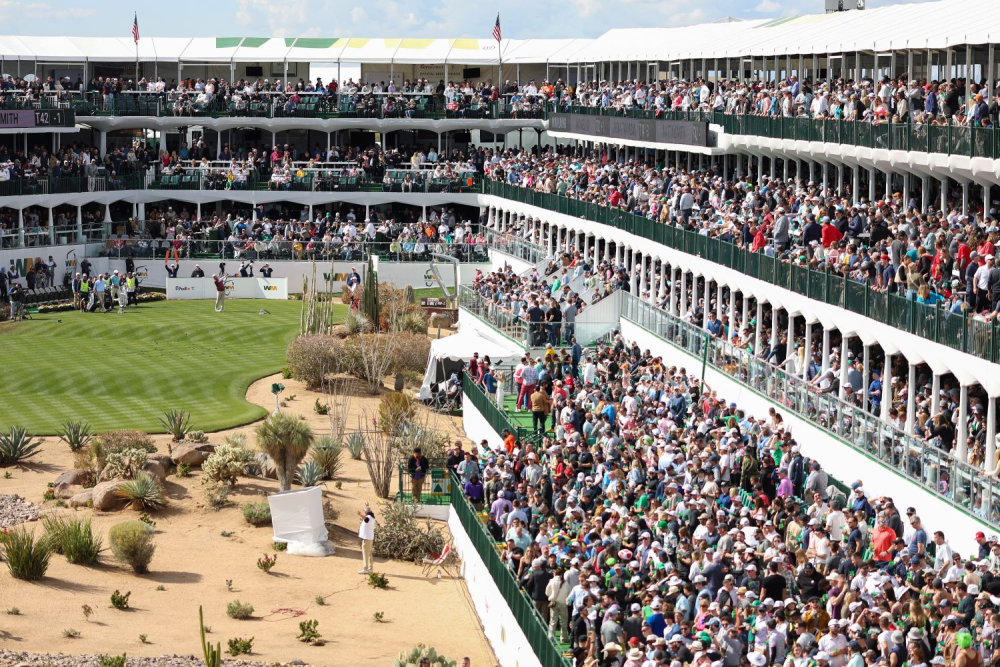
x: 395, y: 411
x: 16, y: 446
x: 76, y: 434
x: 226, y: 464
x: 320, y: 601
x: 111, y: 660
x: 119, y: 600
x: 197, y: 436
x: 176, y: 423
x: 257, y: 514
x: 145, y: 518
x: 239, y: 611
x: 308, y: 631
x: 26, y: 557
x: 321, y: 408
x: 217, y: 495
x: 378, y: 580
x: 415, y: 323
x: 70, y: 633
x: 144, y: 492
x: 378, y: 616
x: 13, y: 611
x: 143, y: 639
x: 183, y: 469
x: 356, y: 445
x: 73, y: 538
x: 356, y: 323
x: 132, y: 544
x: 239, y: 645
x: 328, y: 455
x: 265, y: 563
x: 286, y: 373
x: 280, y: 546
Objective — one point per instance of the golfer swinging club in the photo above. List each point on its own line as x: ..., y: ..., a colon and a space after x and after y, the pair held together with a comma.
x: 220, y: 292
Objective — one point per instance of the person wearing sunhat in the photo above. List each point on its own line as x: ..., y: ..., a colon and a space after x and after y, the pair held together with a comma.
x: 611, y: 655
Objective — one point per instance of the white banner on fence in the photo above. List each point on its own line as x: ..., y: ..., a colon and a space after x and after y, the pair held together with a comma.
x: 236, y: 288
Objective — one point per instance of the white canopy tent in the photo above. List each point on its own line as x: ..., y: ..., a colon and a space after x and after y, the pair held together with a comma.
x: 460, y: 348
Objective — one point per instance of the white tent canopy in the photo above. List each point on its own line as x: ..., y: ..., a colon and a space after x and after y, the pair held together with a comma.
x: 461, y: 347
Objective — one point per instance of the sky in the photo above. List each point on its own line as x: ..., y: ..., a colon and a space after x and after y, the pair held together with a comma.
x: 520, y: 19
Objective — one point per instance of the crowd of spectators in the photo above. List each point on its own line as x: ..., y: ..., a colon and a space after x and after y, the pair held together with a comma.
x: 656, y: 523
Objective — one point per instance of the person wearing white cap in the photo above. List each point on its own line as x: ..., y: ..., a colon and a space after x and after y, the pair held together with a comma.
x: 834, y: 644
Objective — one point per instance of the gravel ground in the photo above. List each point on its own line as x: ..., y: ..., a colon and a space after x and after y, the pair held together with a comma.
x: 14, y: 510
x: 16, y: 659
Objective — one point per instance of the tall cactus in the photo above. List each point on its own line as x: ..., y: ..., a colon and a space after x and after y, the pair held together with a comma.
x: 369, y: 297
x: 213, y: 656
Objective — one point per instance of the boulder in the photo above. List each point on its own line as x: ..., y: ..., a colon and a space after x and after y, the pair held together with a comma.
x: 73, y: 477
x: 191, y: 453
x: 105, y: 496
x: 66, y: 491
x: 163, y: 459
x: 156, y: 469
x: 82, y: 499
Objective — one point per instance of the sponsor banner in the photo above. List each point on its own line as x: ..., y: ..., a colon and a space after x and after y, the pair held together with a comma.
x: 236, y: 288
x: 152, y: 272
x: 23, y: 260
x: 686, y: 132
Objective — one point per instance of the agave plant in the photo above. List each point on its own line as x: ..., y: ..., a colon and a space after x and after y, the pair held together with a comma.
x: 327, y: 455
x: 76, y: 434
x: 176, y: 422
x: 16, y: 445
x: 143, y: 492
x: 309, y: 473
x: 355, y: 445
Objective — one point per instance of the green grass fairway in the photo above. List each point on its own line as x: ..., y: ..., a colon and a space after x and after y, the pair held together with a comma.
x: 125, y: 371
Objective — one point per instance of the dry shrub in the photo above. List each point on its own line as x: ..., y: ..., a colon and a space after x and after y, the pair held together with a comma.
x: 402, y: 536
x: 370, y: 357
x: 312, y: 356
x: 412, y: 352
x: 395, y: 411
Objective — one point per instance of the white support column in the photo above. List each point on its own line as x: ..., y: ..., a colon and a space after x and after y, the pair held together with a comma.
x: 732, y: 313
x: 963, y: 430
x: 790, y: 337
x: 935, y: 394
x: 888, y: 186
x: 944, y: 194
x: 665, y: 286
x: 911, y: 396
x: 774, y: 326
x: 886, y: 387
x: 745, y: 320
x: 826, y: 349
x: 991, y: 431
x: 871, y: 183
x: 759, y: 333
x: 843, y: 364
x: 807, y: 357
x: 865, y: 376
x: 681, y: 305
x: 718, y: 301
x: 925, y: 192
x: 707, y: 296
x: 965, y: 198
x: 856, y: 187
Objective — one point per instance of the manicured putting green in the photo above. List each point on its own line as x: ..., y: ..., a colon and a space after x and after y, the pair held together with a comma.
x: 125, y: 371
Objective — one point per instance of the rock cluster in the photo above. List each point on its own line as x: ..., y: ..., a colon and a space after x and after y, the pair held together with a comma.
x: 14, y: 510
x: 20, y: 659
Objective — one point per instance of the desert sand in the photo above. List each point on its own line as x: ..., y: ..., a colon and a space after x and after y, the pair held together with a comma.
x: 193, y: 561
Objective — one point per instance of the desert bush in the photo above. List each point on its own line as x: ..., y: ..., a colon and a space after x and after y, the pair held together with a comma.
x: 356, y: 323
x: 16, y: 446
x: 413, y: 379
x: 132, y: 544
x: 309, y: 474
x: 328, y: 456
x: 395, y: 411
x: 257, y: 514
x: 217, y: 494
x: 411, y: 352
x: 239, y: 611
x: 433, y: 444
x: 117, y: 440
x: 378, y: 580
x: 111, y: 660
x: 176, y: 422
x: 73, y: 537
x: 226, y: 464
x: 143, y: 492
x: 119, y: 600
x: 308, y: 631
x: 240, y: 645
x: 197, y: 436
x: 124, y: 464
x: 401, y: 536
x: 415, y: 323
x: 356, y: 445
x: 27, y: 558
x: 312, y: 356
x: 370, y: 357
x: 321, y: 408
x: 76, y: 434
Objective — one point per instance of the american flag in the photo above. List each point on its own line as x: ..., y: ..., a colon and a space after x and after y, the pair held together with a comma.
x: 135, y: 29
x: 496, y: 29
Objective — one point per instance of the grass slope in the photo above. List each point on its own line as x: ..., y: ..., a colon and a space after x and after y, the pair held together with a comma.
x: 124, y: 371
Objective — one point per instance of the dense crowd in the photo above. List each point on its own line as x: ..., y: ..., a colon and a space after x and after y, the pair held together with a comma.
x: 655, y: 523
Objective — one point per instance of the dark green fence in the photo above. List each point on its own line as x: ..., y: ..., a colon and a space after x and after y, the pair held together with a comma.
x: 497, y: 419
x: 959, y: 332
x: 532, y: 624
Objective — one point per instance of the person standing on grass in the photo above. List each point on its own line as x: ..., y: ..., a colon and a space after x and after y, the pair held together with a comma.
x: 220, y: 292
x: 367, y: 534
x: 417, y: 467
x: 100, y: 287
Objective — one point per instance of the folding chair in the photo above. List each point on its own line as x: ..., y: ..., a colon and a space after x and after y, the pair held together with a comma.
x: 436, y: 562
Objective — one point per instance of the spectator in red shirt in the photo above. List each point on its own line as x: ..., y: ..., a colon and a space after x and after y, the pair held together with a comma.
x: 830, y: 234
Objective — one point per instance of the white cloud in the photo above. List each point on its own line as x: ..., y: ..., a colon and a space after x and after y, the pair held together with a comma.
x: 358, y: 14
x: 767, y: 6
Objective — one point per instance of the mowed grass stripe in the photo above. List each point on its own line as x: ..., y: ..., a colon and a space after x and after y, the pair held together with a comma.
x: 124, y: 371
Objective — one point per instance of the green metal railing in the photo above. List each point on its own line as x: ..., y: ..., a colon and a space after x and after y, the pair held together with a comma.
x: 946, y: 477
x: 919, y: 137
x: 436, y: 489
x: 957, y: 331
x: 515, y: 246
x: 532, y: 624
